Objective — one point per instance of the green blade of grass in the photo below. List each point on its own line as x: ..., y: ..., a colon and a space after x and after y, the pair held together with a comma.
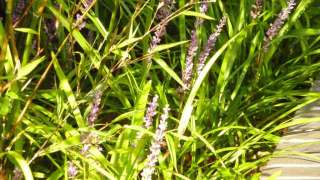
x: 17, y: 159
x: 99, y: 25
x: 28, y: 68
x: 169, y: 70
x: 166, y: 46
x: 172, y: 150
x: 141, y: 104
x: 26, y: 30
x: 197, y: 14
x: 65, y: 86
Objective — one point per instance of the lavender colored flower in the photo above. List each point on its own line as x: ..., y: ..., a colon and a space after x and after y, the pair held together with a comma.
x: 156, y: 39
x: 151, y: 112
x: 192, y: 50
x: 89, y: 139
x: 278, y: 23
x: 163, y: 12
x: 210, y: 44
x: 256, y: 9
x: 72, y: 170
x: 203, y: 9
x: 148, y: 119
x: 81, y: 23
x: 95, y: 108
x: 155, y: 148
x: 85, y: 148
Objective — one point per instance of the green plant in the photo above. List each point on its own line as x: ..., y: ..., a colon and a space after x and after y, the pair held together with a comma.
x: 77, y: 76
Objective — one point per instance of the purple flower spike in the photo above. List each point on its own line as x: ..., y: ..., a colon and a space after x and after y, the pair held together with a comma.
x: 95, y: 108
x: 203, y: 10
x: 151, y: 112
x: 210, y: 44
x: 82, y: 22
x: 155, y: 148
x: 85, y: 148
x: 204, y: 7
x: 192, y: 51
x: 72, y: 170
x: 163, y: 12
x: 148, y: 118
x: 278, y: 23
x: 256, y: 9
x: 156, y: 39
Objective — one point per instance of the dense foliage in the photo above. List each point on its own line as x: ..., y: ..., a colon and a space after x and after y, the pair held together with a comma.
x: 146, y: 89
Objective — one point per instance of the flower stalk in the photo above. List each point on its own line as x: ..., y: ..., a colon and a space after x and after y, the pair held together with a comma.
x: 210, y: 44
x: 162, y: 13
x: 155, y: 148
x: 277, y: 24
x: 151, y: 112
x: 95, y: 108
x: 256, y: 9
x: 72, y: 170
x: 192, y: 50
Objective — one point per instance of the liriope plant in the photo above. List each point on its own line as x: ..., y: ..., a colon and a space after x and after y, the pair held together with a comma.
x: 86, y: 86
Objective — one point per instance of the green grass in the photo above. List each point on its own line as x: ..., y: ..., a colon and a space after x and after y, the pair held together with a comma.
x: 224, y: 127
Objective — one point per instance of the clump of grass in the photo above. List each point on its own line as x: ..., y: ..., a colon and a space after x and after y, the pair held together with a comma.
x: 74, y: 97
